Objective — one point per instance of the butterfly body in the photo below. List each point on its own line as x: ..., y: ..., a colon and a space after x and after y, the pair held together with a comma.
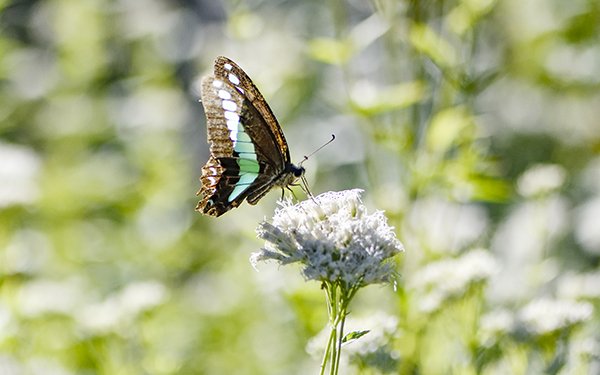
x: 248, y: 151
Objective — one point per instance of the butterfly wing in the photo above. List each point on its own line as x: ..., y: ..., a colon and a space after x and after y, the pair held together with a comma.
x: 248, y: 150
x: 229, y: 71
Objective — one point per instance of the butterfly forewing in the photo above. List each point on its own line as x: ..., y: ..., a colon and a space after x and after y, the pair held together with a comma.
x: 227, y: 70
x: 249, y: 154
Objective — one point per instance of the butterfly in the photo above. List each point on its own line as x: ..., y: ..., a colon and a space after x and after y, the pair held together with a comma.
x: 248, y: 151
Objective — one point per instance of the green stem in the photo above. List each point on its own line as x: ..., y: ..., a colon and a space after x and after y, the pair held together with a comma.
x: 330, y: 308
x: 340, y: 329
x: 333, y: 320
x: 338, y: 299
x: 334, y: 351
x: 327, y: 351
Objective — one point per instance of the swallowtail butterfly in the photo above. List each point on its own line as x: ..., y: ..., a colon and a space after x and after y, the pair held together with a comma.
x: 248, y: 152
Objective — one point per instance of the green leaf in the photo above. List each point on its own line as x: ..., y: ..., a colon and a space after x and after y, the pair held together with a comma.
x: 428, y: 42
x: 354, y: 335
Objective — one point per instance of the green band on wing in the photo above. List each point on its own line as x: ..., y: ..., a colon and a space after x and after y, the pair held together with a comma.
x: 243, y: 137
x: 247, y: 161
x: 244, y: 147
x: 246, y: 179
x: 248, y: 165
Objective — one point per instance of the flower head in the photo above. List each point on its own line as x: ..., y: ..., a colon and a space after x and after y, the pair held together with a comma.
x: 334, y: 238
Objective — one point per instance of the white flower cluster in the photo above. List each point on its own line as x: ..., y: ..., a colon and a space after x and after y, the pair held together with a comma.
x: 334, y: 238
x: 545, y: 316
x: 439, y: 281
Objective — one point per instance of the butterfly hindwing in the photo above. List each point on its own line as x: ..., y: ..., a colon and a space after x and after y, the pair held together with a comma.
x: 249, y: 154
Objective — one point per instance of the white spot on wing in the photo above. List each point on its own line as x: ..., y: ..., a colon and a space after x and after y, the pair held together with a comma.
x: 232, y: 116
x: 227, y: 66
x: 224, y: 94
x: 228, y: 105
x: 233, y: 126
x: 217, y: 83
x: 234, y: 79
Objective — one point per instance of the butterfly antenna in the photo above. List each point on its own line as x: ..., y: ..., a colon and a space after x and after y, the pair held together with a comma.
x: 315, y: 151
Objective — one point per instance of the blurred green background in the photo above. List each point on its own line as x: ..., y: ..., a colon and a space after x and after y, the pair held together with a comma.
x: 473, y: 123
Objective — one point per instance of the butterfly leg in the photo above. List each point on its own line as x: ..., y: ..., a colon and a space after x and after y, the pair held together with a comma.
x: 293, y: 194
x: 304, y: 186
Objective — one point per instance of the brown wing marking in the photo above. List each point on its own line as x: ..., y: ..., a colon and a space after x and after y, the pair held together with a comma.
x: 219, y: 177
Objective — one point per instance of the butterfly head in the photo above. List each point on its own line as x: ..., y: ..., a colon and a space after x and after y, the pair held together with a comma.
x: 290, y: 175
x: 296, y: 171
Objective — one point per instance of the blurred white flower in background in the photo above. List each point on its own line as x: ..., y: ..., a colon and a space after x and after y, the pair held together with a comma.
x: 32, y: 72
x: 19, y: 170
x: 541, y: 179
x: 375, y: 347
x: 68, y: 297
x: 8, y: 326
x: 439, y: 281
x: 10, y: 365
x: 579, y: 285
x: 584, y: 352
x: 495, y: 325
x: 439, y: 226
x: 382, y: 329
x: 123, y: 306
x: 45, y: 366
x: 26, y: 253
x: 587, y: 228
x: 545, y: 316
x: 32, y: 365
x: 521, y: 244
x: 44, y: 296
x: 146, y: 109
x: 381, y: 326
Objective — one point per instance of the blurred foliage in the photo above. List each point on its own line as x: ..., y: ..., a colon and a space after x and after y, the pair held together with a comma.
x: 473, y: 123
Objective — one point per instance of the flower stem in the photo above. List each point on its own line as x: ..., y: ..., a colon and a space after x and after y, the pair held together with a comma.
x: 338, y: 299
x: 327, y: 351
